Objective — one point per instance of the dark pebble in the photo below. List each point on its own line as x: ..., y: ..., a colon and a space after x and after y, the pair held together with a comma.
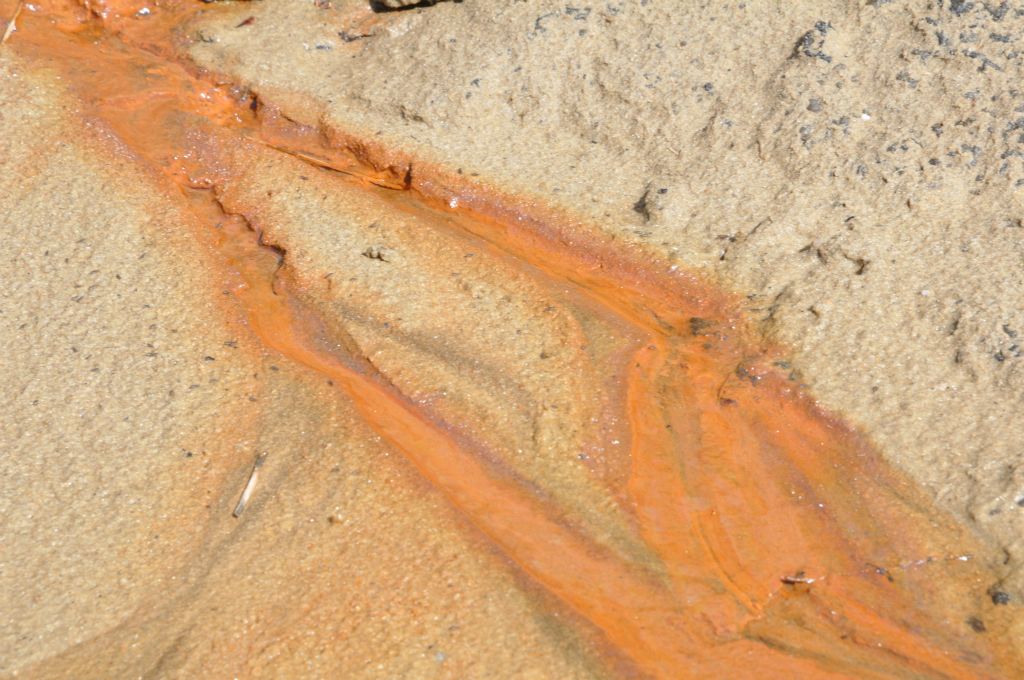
x: 976, y: 624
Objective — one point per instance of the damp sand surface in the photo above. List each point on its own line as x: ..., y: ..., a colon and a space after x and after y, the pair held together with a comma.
x: 605, y: 462
x: 853, y: 170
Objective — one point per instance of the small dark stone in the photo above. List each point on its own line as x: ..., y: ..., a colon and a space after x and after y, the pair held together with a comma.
x: 814, y: 105
x: 976, y: 624
x: 1000, y: 597
x: 811, y: 43
x: 698, y: 326
x: 960, y: 7
x: 642, y: 207
x: 401, y: 5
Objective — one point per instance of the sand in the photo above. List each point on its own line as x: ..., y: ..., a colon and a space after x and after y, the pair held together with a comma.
x: 853, y: 171
x: 462, y: 430
x: 136, y: 402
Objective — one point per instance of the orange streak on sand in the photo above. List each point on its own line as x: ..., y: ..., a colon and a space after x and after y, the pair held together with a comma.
x: 771, y: 527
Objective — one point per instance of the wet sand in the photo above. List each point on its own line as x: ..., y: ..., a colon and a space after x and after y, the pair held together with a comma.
x: 851, y: 170
x: 615, y: 448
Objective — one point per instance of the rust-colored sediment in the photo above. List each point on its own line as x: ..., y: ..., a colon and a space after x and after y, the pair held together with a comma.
x: 780, y: 544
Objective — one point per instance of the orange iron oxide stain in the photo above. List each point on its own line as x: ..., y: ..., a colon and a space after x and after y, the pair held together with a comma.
x: 780, y: 543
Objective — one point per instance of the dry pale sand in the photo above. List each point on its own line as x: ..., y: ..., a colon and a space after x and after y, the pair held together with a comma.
x: 855, y: 170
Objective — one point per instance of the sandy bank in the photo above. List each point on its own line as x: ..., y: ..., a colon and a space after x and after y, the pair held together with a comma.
x: 135, y: 400
x: 853, y: 170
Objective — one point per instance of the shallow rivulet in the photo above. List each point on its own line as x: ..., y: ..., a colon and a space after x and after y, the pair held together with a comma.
x: 763, y: 538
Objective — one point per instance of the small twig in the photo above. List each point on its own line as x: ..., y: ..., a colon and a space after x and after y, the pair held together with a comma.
x: 799, y: 577
x: 326, y: 164
x: 12, y: 24
x: 250, y: 485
